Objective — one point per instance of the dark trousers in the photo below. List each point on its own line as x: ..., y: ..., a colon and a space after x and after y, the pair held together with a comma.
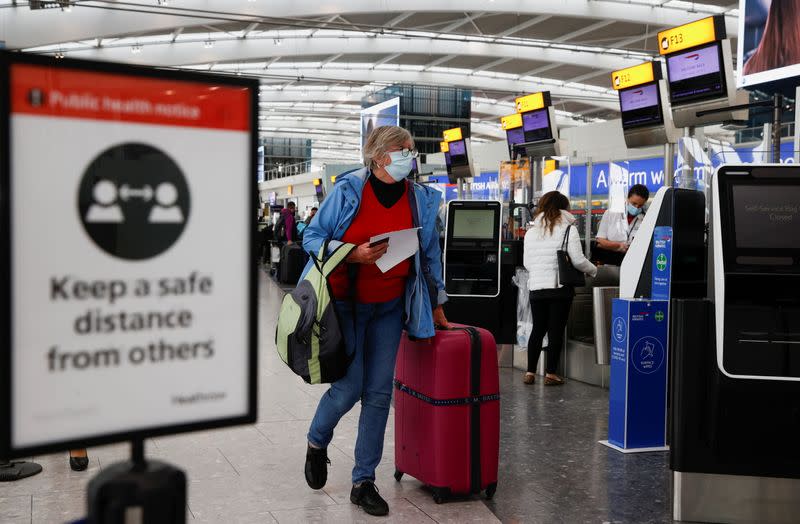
x: 549, y: 317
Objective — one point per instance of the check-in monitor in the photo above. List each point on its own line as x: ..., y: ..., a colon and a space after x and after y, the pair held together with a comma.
x: 536, y: 125
x: 641, y: 106
x: 696, y: 74
x: 514, y: 137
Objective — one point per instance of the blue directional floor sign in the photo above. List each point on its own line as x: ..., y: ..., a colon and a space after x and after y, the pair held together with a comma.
x: 637, y: 419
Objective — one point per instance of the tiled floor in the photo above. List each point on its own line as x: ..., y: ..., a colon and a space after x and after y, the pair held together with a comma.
x: 552, y: 469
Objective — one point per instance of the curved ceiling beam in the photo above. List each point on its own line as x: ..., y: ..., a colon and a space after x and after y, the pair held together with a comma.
x: 291, y: 49
x: 88, y: 20
x: 347, y: 126
x: 481, y: 82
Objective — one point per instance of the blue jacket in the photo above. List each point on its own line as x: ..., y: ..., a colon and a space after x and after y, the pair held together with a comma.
x: 425, y: 287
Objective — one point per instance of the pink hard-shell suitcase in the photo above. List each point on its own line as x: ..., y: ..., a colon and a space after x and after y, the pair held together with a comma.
x: 447, y: 412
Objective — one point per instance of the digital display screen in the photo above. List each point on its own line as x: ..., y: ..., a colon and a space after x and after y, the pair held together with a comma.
x: 535, y: 120
x: 447, y: 158
x: 515, y: 136
x: 640, y: 106
x: 536, y: 125
x: 766, y: 216
x: 759, y: 59
x: 458, y: 148
x: 695, y: 75
x: 474, y: 223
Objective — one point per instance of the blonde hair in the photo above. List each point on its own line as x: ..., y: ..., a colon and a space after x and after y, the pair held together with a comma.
x: 381, y: 139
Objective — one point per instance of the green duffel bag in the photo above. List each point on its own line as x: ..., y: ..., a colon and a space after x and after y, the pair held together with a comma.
x: 308, y: 336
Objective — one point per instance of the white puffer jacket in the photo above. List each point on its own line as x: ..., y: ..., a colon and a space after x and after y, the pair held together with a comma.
x: 540, y: 252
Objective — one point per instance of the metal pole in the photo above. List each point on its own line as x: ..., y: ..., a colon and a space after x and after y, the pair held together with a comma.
x: 669, y: 164
x: 777, y: 112
x: 588, y: 225
x: 796, y: 126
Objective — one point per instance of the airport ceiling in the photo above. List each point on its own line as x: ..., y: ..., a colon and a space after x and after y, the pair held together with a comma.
x: 317, y: 59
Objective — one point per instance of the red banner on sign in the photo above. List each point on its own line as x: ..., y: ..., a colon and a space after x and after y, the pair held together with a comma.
x: 72, y: 93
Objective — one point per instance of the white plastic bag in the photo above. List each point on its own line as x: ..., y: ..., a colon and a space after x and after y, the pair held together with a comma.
x: 524, y: 315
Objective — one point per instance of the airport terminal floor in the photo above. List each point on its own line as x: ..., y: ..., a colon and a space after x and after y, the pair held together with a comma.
x: 552, y: 469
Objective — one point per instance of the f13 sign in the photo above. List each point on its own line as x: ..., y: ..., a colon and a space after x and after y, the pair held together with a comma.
x: 128, y: 289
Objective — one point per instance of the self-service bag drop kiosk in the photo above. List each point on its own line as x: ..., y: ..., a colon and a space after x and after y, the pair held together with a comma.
x: 736, y: 367
x: 478, y: 268
x: 472, y: 248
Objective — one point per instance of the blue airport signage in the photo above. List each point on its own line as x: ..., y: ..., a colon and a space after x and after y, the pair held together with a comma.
x: 662, y: 263
x: 638, y: 397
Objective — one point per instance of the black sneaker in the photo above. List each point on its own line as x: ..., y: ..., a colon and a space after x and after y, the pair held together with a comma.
x: 366, y: 495
x: 317, y: 467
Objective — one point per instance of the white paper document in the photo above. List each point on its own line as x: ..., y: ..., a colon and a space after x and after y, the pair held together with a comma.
x: 402, y: 244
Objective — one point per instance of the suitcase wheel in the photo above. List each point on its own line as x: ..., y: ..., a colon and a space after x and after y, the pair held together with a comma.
x: 398, y: 475
x: 491, y: 489
x: 440, y: 495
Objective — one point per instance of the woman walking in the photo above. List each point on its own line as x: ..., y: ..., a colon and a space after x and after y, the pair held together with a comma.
x: 550, y: 301
x: 374, y: 307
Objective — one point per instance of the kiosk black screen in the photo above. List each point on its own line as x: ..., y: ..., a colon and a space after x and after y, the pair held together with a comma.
x: 447, y: 158
x: 766, y: 208
x: 696, y: 75
x: 641, y: 106
x: 536, y: 125
x: 476, y: 224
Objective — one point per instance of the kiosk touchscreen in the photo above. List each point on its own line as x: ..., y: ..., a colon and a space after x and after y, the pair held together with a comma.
x: 472, y: 248
x: 756, y: 227
x: 514, y: 137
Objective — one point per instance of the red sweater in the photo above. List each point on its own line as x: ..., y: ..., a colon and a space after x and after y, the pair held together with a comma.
x: 372, y: 219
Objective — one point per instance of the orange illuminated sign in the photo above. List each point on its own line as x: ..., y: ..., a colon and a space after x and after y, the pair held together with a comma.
x: 444, y: 147
x: 511, y: 121
x: 531, y: 102
x: 691, y: 35
x: 451, y: 135
x: 633, y: 76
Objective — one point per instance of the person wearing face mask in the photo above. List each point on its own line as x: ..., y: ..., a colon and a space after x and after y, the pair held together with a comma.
x: 617, y: 230
x: 374, y: 307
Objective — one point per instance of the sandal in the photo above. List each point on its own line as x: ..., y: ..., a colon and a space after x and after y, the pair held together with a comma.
x: 553, y: 381
x: 529, y: 378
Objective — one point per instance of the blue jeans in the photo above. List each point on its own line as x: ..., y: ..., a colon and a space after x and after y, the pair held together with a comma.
x: 374, y: 337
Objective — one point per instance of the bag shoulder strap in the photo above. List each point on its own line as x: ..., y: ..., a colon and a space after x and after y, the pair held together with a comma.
x: 329, y: 262
x: 566, y: 238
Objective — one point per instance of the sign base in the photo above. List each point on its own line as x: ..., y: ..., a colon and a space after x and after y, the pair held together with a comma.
x: 633, y: 450
x: 18, y: 470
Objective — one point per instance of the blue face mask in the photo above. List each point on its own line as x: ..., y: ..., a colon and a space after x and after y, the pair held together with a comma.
x: 633, y: 210
x: 400, y: 166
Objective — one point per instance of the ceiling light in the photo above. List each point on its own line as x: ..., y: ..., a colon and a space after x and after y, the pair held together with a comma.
x: 208, y: 44
x: 162, y: 2
x: 136, y: 49
x: 276, y: 41
x: 59, y: 55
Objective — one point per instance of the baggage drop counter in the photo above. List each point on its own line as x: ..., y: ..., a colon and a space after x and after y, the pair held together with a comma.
x: 736, y: 358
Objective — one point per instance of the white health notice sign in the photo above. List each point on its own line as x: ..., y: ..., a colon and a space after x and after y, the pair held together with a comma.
x: 131, y: 289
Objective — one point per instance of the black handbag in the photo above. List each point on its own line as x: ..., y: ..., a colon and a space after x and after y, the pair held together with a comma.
x: 568, y: 275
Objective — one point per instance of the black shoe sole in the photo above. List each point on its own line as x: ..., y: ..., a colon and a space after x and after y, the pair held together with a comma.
x: 369, y: 511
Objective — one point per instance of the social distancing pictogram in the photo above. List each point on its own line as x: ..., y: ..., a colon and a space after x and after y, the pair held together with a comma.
x: 134, y: 201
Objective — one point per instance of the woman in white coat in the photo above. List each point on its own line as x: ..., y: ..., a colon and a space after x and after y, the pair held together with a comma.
x: 550, y: 301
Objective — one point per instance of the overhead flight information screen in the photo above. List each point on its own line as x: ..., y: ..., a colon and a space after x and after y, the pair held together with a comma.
x: 696, y: 75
